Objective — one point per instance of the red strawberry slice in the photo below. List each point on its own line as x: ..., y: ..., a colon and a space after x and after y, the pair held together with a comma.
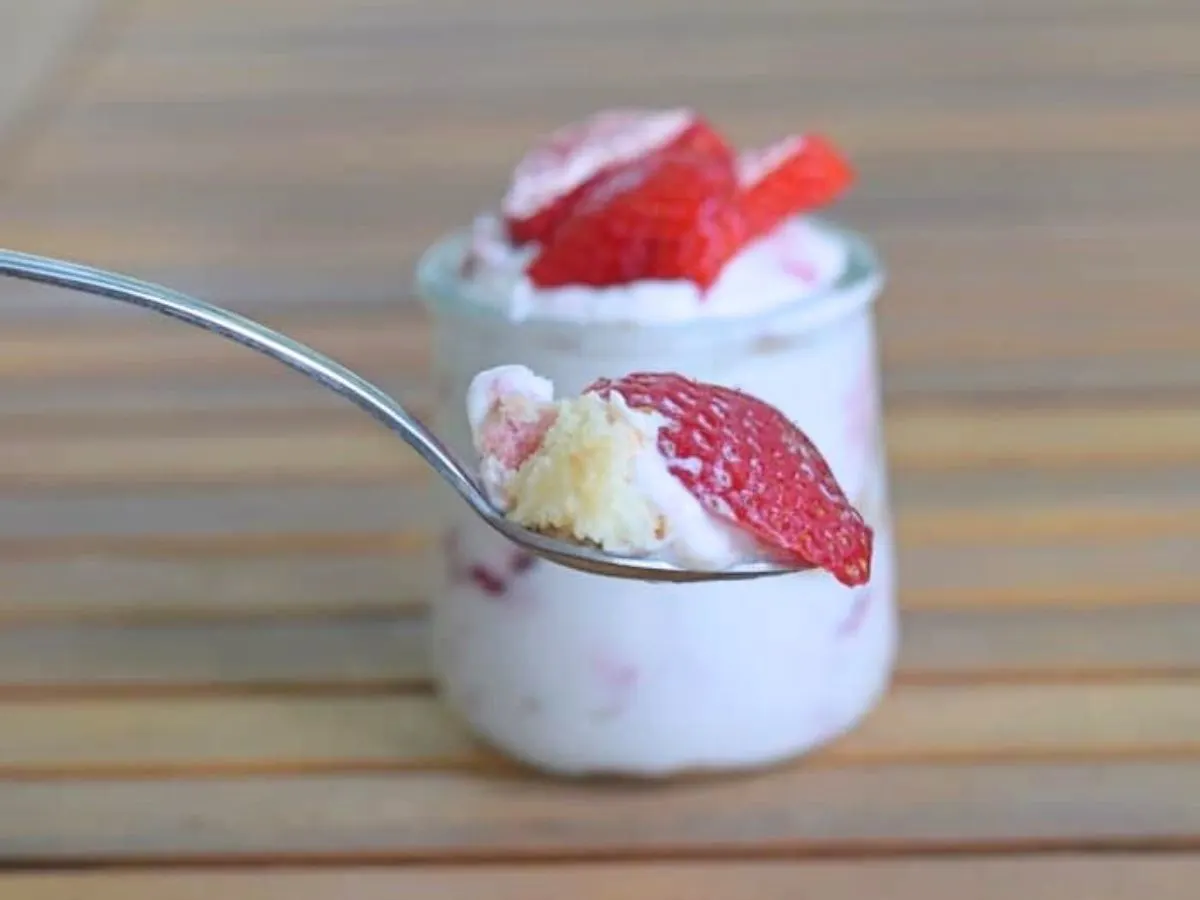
x: 747, y: 463
x: 553, y: 176
x: 671, y: 216
x: 790, y: 177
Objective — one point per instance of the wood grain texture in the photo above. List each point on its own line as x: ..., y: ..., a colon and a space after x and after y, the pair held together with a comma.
x: 291, y: 654
x: 213, y: 576
x: 800, y: 810
x: 232, y: 735
x: 1119, y: 878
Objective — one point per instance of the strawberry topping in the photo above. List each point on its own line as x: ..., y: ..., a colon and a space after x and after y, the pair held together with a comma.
x: 789, y: 177
x: 553, y: 177
x: 630, y: 195
x: 748, y: 464
x: 670, y: 216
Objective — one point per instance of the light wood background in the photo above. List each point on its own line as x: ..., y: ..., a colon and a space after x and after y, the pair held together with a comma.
x: 212, y: 575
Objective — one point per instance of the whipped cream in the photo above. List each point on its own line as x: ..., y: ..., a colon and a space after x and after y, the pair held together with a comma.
x: 795, y: 261
x: 628, y: 502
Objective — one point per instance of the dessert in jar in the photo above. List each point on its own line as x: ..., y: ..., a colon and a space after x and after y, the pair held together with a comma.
x: 639, y: 242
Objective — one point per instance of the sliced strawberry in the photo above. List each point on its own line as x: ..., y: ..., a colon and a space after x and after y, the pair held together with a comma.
x: 747, y: 463
x: 555, y: 174
x: 790, y: 177
x: 671, y: 216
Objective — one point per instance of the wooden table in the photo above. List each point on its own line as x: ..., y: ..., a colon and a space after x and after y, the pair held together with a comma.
x: 212, y: 576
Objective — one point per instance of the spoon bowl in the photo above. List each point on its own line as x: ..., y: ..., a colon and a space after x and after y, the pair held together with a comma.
x: 370, y: 399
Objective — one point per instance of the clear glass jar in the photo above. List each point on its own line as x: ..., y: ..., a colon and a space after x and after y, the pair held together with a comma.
x: 577, y: 674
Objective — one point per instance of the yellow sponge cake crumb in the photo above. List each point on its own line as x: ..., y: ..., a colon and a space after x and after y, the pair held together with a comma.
x: 582, y: 482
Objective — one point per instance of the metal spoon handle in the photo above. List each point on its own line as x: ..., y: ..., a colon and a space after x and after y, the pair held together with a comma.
x: 248, y: 333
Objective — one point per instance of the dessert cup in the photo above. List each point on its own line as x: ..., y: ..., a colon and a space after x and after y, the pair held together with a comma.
x: 579, y: 675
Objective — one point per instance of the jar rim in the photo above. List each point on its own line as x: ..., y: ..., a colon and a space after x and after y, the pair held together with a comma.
x: 437, y: 283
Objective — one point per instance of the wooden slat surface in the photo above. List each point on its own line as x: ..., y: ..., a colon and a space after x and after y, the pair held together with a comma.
x: 213, y: 575
x: 981, y: 879
x: 486, y: 814
x: 398, y: 731
x: 387, y: 650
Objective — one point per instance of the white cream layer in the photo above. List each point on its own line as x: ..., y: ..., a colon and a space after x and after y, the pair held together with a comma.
x: 796, y: 261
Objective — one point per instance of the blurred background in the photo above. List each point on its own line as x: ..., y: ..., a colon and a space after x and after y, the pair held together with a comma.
x: 1029, y: 168
x: 182, y: 519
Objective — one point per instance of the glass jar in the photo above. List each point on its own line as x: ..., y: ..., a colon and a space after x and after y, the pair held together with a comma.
x: 577, y: 674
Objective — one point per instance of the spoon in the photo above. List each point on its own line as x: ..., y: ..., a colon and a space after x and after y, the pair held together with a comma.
x: 371, y: 400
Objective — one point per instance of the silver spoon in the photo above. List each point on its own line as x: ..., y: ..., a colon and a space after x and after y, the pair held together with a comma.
x: 368, y: 398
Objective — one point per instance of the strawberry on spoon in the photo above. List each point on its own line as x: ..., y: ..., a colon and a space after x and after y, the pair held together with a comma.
x: 748, y: 464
